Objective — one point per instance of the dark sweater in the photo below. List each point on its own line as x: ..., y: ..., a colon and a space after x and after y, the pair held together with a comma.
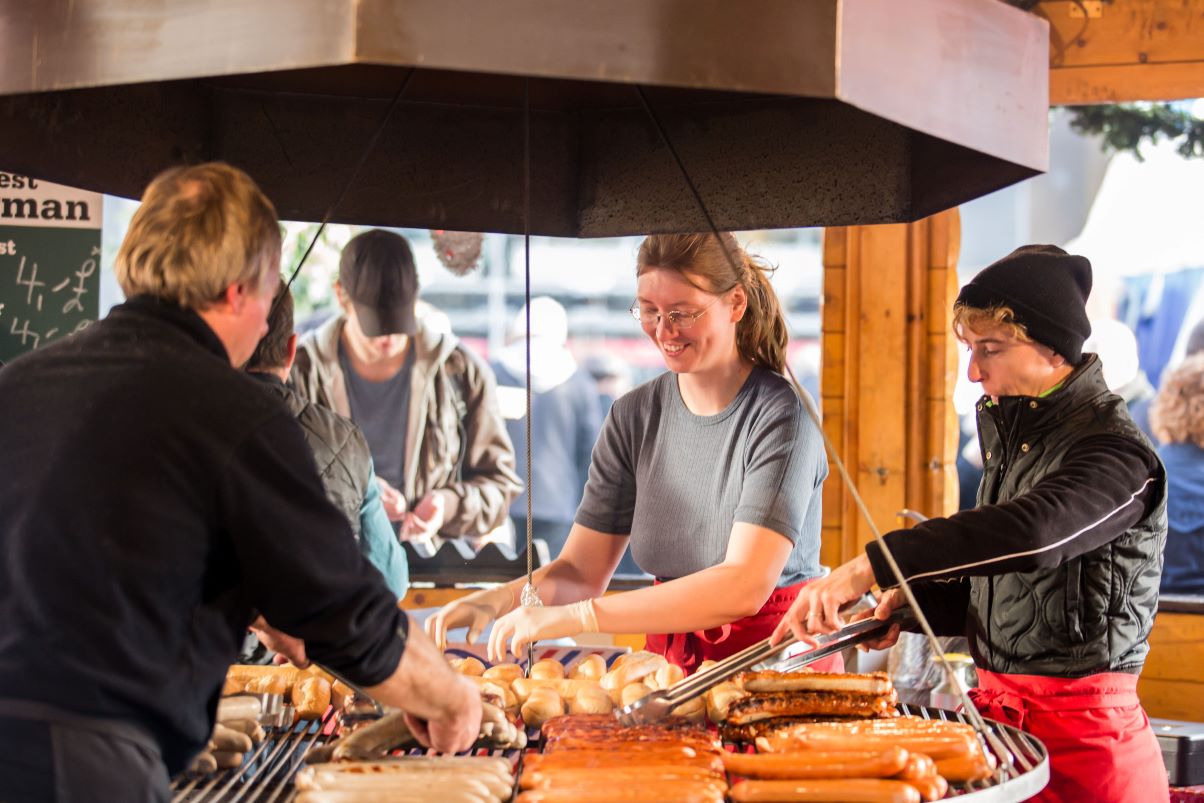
x: 1056, y: 573
x: 153, y: 498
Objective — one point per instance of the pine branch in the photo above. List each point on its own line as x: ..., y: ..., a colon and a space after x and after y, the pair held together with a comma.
x: 1126, y: 127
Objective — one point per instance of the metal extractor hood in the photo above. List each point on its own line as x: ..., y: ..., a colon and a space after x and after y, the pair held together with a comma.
x: 784, y: 112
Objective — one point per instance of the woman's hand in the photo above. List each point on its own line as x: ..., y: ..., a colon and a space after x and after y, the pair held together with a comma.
x: 817, y: 607
x: 474, y: 611
x: 524, y: 626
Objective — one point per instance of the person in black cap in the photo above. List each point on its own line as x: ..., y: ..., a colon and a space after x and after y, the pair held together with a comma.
x: 425, y: 403
x: 1053, y: 578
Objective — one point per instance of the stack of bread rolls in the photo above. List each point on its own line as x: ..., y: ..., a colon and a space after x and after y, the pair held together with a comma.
x: 583, y: 687
x: 311, y: 691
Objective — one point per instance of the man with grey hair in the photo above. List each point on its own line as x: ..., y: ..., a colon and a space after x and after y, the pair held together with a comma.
x: 154, y: 499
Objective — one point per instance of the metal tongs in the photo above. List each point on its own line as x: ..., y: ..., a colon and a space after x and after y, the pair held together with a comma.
x: 655, y: 706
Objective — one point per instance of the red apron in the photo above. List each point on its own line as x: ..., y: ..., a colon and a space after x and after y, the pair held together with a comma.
x: 688, y: 650
x: 1101, y: 746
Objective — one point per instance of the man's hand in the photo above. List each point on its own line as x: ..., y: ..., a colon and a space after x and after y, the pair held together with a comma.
x: 458, y: 730
x: 425, y: 519
x: 817, y: 607
x: 293, y: 649
x: 392, y: 499
x: 887, y: 604
x: 443, y: 708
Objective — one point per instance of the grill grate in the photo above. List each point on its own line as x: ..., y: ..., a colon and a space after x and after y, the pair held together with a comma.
x: 266, y: 773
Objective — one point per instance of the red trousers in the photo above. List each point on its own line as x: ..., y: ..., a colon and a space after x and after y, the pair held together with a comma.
x: 1101, y: 746
x: 688, y: 650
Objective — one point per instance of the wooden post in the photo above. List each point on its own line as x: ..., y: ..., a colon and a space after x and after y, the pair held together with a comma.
x: 888, y: 369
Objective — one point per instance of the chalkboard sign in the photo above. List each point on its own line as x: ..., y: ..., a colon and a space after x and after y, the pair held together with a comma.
x: 49, y: 262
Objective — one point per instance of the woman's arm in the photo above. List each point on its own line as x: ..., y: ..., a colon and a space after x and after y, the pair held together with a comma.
x: 735, y: 588
x: 581, y: 571
x: 716, y: 596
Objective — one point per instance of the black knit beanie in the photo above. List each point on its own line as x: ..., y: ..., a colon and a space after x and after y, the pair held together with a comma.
x: 1046, y: 287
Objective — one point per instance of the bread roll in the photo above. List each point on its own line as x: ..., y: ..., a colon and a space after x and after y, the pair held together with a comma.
x: 311, y: 698
x: 720, y: 698
x: 547, y: 669
x: 467, y: 666
x: 667, y: 675
x: 633, y: 692
x: 542, y: 705
x: 591, y: 700
x: 694, y: 710
x: 522, y: 687
x: 341, y: 695
x: 268, y: 684
x: 591, y: 666
x: 637, y: 667
x: 494, y: 692
x: 233, y: 685
x: 313, y: 670
x: 503, y: 672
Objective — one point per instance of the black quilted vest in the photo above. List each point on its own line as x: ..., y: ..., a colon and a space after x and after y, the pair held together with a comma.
x: 1090, y: 614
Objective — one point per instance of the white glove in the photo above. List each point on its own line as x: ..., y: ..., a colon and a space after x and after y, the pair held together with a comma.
x: 523, y: 626
x: 474, y: 611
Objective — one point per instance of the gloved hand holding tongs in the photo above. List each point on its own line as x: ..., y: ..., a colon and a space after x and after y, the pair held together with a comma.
x: 657, y: 705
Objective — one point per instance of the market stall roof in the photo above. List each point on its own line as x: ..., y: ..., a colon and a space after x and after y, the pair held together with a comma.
x: 785, y: 112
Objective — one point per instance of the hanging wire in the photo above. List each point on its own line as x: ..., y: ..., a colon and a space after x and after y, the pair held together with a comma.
x: 971, y: 710
x: 527, y: 307
x: 530, y: 594
x: 330, y: 210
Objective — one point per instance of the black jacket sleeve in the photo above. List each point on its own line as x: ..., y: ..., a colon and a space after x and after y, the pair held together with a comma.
x: 301, y: 567
x: 1103, y: 487
x: 944, y: 603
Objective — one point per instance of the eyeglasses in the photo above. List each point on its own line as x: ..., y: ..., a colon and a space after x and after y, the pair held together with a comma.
x: 677, y: 319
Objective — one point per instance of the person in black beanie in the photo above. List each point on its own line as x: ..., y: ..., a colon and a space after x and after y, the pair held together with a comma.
x: 1053, y: 578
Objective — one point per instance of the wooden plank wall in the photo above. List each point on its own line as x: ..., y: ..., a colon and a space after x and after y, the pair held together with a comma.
x: 888, y: 369
x: 1125, y: 51
x: 1172, y: 682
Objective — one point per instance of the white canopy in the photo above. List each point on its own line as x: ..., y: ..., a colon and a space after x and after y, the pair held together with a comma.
x: 1148, y: 217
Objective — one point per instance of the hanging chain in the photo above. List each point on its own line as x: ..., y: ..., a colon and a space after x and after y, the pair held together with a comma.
x: 970, y: 709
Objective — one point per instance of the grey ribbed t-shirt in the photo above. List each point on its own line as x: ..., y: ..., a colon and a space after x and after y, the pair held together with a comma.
x: 677, y: 482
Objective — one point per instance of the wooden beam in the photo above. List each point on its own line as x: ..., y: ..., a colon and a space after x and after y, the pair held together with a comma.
x: 1086, y: 85
x: 889, y: 364
x: 1133, y: 50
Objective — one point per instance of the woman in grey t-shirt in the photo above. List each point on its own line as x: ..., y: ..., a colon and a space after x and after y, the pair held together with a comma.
x: 711, y: 471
